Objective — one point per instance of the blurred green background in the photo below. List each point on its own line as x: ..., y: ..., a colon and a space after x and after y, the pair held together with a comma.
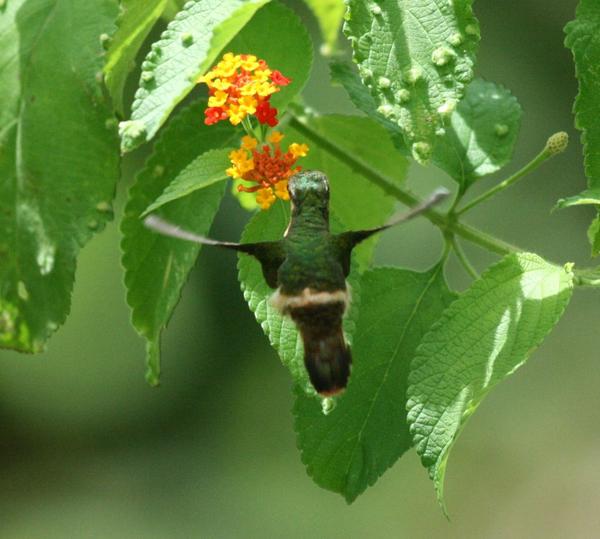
x: 87, y: 449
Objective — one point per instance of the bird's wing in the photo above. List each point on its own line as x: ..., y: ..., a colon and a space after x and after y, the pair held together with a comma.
x: 269, y: 254
x: 346, y: 241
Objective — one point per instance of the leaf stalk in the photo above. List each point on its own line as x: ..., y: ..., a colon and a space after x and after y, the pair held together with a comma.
x: 555, y: 144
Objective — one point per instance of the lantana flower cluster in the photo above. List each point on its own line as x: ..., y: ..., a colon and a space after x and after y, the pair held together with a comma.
x: 241, y: 85
x: 240, y: 88
x: 268, y: 167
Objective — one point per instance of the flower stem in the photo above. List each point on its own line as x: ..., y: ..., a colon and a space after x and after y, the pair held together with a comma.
x: 248, y: 127
x: 529, y: 167
x: 446, y: 223
x: 462, y: 257
x: 556, y: 144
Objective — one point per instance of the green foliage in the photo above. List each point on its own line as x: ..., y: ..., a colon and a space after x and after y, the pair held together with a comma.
x: 156, y: 267
x: 172, y: 8
x: 348, y: 449
x: 483, y: 337
x: 481, y: 135
x: 479, y: 138
x: 135, y: 22
x: 57, y: 171
x: 583, y: 38
x: 185, y: 51
x: 329, y: 14
x: 589, y: 196
x: 414, y: 347
x: 416, y: 58
x: 207, y: 169
x: 345, y: 73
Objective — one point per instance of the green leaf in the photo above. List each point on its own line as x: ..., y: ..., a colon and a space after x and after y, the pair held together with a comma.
x: 583, y: 38
x: 172, y: 8
x: 135, y: 22
x: 58, y: 158
x: 329, y: 14
x: 589, y: 196
x: 481, y: 135
x: 187, y: 48
x: 348, y: 449
x: 207, y: 169
x: 481, y: 338
x: 277, y: 35
x: 345, y: 73
x: 156, y: 267
x: 415, y: 57
x: 593, y: 234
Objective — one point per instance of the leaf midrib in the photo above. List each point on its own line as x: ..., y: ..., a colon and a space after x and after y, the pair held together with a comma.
x: 389, y: 366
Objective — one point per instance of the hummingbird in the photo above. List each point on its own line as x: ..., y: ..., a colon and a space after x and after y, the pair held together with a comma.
x: 307, y: 269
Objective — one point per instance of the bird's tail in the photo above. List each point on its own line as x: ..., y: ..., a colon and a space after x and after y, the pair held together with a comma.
x: 327, y: 357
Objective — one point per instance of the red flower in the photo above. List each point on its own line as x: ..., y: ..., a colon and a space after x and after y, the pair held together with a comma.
x: 213, y: 115
x: 266, y: 114
x: 279, y: 79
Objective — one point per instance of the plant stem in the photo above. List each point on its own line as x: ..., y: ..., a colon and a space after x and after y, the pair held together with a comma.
x: 446, y: 223
x: 462, y: 257
x: 540, y: 158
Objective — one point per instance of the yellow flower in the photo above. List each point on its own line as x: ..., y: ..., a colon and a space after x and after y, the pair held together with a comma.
x: 262, y: 75
x: 235, y: 114
x: 298, y: 150
x: 265, y: 198
x: 249, y: 89
x: 217, y: 100
x: 281, y: 190
x: 249, y: 143
x: 227, y: 66
x: 238, y: 155
x: 275, y: 137
x: 249, y: 63
x: 245, y: 166
x: 247, y: 104
x: 220, y: 84
x: 265, y: 88
x: 208, y: 77
x: 233, y: 172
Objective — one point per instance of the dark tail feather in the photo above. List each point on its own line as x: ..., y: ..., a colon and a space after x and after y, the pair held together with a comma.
x: 327, y: 357
x: 328, y: 364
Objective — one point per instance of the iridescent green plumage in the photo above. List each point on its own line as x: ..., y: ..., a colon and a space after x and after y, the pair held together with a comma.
x: 308, y: 268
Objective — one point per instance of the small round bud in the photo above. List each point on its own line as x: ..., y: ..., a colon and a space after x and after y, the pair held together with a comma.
x: 421, y: 152
x: 557, y: 143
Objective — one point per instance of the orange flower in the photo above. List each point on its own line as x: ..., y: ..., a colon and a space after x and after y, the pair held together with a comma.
x: 267, y: 167
x: 241, y: 85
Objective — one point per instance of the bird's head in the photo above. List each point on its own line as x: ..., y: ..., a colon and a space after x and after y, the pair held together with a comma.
x: 309, y: 189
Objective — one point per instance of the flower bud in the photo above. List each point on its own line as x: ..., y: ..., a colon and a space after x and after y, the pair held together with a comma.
x: 557, y: 143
